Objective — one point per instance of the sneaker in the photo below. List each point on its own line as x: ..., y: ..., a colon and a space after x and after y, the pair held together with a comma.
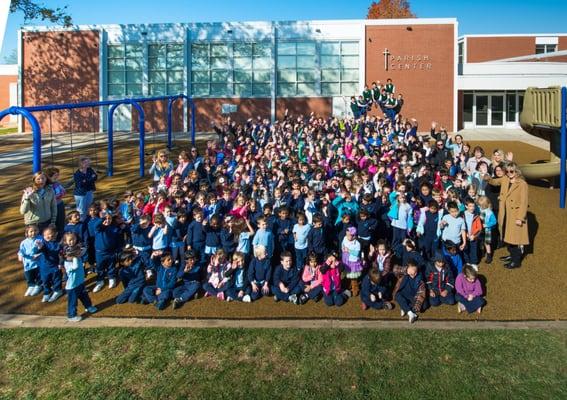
x: 55, y: 296
x: 475, y: 267
x: 111, y: 283
x: 363, y: 306
x: 276, y: 299
x: 98, y: 287
x: 402, y: 313
x: 246, y: 299
x: 149, y: 274
x: 45, y: 298
x: 220, y: 296
x: 35, y: 290
x: 304, y: 298
x: 28, y: 291
x: 488, y: 258
x: 293, y: 299
x: 348, y: 293
x: 506, y: 258
x: 76, y: 318
x: 175, y: 304
x: 92, y: 310
x: 412, y: 317
x: 388, y: 305
x: 229, y: 299
x: 459, y: 308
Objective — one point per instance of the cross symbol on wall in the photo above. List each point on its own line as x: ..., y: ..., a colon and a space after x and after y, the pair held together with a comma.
x: 386, y: 55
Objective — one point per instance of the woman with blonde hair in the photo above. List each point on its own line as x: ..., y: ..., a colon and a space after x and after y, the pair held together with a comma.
x: 162, y: 166
x: 38, y: 205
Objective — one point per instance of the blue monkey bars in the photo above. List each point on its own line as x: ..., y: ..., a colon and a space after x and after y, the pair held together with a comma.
x: 27, y: 113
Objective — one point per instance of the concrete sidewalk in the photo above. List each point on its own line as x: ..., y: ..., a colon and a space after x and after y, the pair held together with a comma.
x: 38, y: 321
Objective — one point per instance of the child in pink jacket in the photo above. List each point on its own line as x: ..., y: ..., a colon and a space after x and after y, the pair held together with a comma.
x: 333, y: 295
x: 312, y: 278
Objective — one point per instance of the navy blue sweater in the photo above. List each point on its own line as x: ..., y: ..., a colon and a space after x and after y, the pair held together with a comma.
x: 108, y: 239
x: 259, y: 270
x: 316, y: 240
x: 50, y: 251
x: 369, y: 287
x: 365, y: 229
x: 133, y: 276
x: 140, y: 236
x: 195, y: 234
x: 166, y: 278
x: 78, y: 229
x: 290, y: 277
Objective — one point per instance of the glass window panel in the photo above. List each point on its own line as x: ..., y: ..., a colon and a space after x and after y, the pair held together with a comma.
x: 262, y: 49
x: 200, y: 64
x: 262, y: 89
x: 287, y: 76
x: 242, y: 76
x: 116, y: 51
x: 262, y: 76
x: 306, y: 89
x: 175, y: 89
x: 349, y: 62
x: 200, y: 76
x: 330, y: 75
x: 157, y: 76
x: 349, y: 75
x: 520, y: 102
x: 349, y: 48
x: 220, y: 89
x: 243, y: 63
x: 219, y: 76
x: 175, y: 48
x: 175, y: 76
x: 156, y: 50
x: 116, y: 90
x: 511, y: 107
x: 199, y: 50
x: 307, y: 75
x: 116, y: 77
x: 133, y: 90
x: 349, y: 89
x: 306, y: 48
x: 330, y: 89
x: 116, y: 64
x: 175, y: 63
x: 286, y: 89
x: 262, y: 63
x: 219, y: 50
x: 200, y: 89
x: 219, y: 62
x: 156, y: 89
x: 306, y: 62
x: 482, y: 110
x: 285, y: 62
x: 242, y: 50
x: 134, y: 77
x: 133, y: 64
x: 156, y: 63
x: 468, y: 107
x: 134, y: 50
x: 286, y: 48
x: 330, y: 62
x: 330, y: 48
x: 243, y: 89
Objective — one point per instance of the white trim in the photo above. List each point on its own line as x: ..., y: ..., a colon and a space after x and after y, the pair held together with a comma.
x: 530, y: 57
x: 511, y: 35
x: 547, y: 40
x: 455, y: 77
x: 9, y: 69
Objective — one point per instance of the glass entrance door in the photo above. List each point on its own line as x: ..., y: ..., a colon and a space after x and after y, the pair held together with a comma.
x: 489, y: 110
x: 481, y: 110
x: 496, y: 110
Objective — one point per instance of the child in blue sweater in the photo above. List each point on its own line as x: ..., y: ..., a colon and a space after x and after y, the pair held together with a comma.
x: 375, y: 292
x: 29, y: 255
x: 109, y: 240
x: 160, y: 293
x: 238, y: 283
x: 195, y: 239
x: 190, y: 276
x: 132, y: 277
x: 71, y: 259
x: 49, y: 265
x: 142, y: 242
x: 259, y: 273
x: 287, y: 284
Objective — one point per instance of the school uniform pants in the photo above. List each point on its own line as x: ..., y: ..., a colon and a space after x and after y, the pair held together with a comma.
x: 256, y: 295
x: 377, y: 305
x: 213, y: 291
x: 233, y: 292
x: 51, y: 279
x: 438, y: 299
x: 186, y: 291
x: 315, y: 293
x: 471, y: 252
x: 300, y: 256
x: 105, y: 266
x: 60, y: 220
x: 428, y: 246
x: 285, y: 296
x: 398, y: 236
x: 149, y: 294
x: 334, y: 299
x: 405, y: 300
x: 83, y: 203
x: 470, y: 306
x: 32, y: 277
x: 131, y: 294
x: 73, y: 296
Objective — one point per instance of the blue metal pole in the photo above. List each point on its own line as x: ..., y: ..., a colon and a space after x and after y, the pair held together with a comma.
x: 36, y: 135
x: 110, y: 167
x: 169, y: 107
x: 562, y: 175
x: 141, y: 119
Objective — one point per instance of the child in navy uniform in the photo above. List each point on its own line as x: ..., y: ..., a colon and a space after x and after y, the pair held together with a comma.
x: 195, y: 239
x: 440, y: 281
x: 366, y: 227
x: 142, y: 242
x: 316, y: 242
x: 259, y: 273
x: 109, y: 240
x: 166, y: 278
x: 238, y: 284
x: 77, y: 227
x: 286, y: 285
x: 428, y: 230
x: 409, y: 290
x: 132, y: 276
x: 49, y: 265
x: 190, y: 277
x: 374, y: 293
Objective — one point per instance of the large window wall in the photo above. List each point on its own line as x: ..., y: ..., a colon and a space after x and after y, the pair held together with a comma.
x: 165, y: 69
x: 125, y: 69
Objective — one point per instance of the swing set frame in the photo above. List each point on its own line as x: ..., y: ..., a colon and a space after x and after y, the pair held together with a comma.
x: 27, y: 113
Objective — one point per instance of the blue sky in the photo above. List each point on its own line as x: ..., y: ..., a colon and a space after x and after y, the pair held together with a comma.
x: 474, y: 16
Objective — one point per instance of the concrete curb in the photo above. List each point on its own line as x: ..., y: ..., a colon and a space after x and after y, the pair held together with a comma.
x: 37, y: 321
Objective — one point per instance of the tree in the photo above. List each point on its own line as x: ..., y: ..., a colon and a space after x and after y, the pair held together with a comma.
x: 11, y: 57
x: 384, y: 9
x: 34, y: 10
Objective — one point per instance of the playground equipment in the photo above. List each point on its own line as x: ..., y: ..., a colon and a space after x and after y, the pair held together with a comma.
x: 27, y: 113
x: 544, y: 115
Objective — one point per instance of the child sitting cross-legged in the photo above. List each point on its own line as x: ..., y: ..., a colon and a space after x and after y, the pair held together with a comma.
x: 409, y: 290
x: 190, y: 275
x: 375, y: 293
x: 469, y: 291
x: 216, y: 284
x: 440, y: 281
x: 132, y: 276
x: 166, y: 278
x: 287, y: 285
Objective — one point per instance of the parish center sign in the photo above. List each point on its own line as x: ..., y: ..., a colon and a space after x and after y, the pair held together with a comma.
x: 406, y: 62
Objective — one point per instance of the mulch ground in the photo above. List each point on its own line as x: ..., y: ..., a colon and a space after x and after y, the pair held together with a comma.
x: 537, y: 291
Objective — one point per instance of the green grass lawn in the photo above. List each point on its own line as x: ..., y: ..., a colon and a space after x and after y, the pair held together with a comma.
x: 290, y: 364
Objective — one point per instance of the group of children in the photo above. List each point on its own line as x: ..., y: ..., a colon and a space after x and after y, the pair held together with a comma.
x: 302, y: 209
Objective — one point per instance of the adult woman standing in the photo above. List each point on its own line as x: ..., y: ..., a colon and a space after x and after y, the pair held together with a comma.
x: 38, y: 205
x: 84, y: 178
x: 162, y: 166
x: 512, y: 218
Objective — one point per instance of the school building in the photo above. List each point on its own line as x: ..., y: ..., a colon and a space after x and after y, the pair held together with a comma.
x: 263, y: 68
